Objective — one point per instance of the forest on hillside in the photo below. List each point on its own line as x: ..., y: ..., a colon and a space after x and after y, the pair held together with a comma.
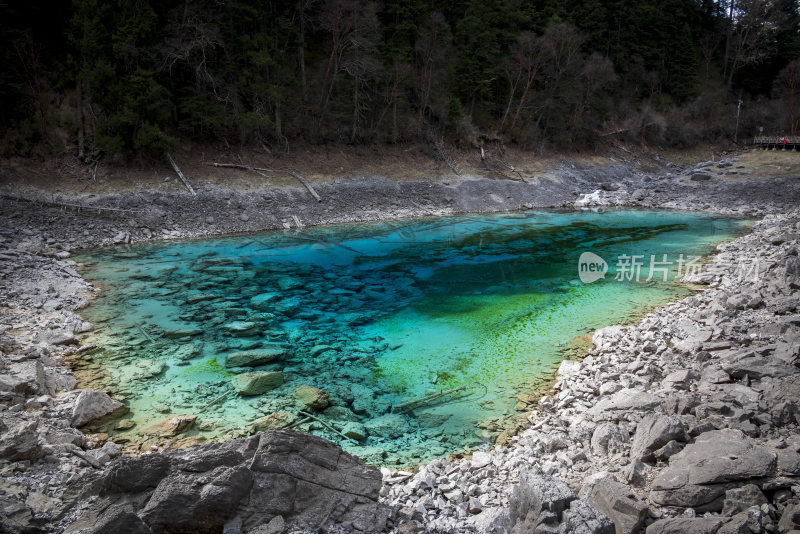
x: 136, y: 76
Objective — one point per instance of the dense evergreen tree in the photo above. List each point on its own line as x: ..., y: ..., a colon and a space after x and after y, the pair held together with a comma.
x: 138, y: 75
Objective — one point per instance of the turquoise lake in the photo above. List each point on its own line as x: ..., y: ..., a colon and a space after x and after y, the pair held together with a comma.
x: 375, y: 315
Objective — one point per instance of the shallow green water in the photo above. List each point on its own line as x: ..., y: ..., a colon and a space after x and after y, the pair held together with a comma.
x: 376, y: 315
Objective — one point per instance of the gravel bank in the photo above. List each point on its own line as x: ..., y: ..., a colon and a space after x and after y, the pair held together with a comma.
x: 692, y: 411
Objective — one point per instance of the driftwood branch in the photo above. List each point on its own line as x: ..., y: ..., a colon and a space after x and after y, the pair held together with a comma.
x: 404, y: 407
x: 69, y: 205
x: 615, y: 132
x: 308, y: 186
x: 300, y: 422
x: 144, y: 332
x: 239, y: 166
x: 329, y: 427
x: 180, y: 174
x: 219, y: 399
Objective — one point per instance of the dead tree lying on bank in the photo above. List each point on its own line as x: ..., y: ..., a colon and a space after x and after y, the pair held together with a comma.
x: 261, y: 171
x: 180, y: 174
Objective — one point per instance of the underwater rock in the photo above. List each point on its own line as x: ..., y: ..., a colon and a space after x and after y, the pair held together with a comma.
x: 273, y: 421
x: 181, y: 331
x: 186, y: 352
x: 125, y: 424
x: 316, y: 350
x: 311, y: 398
x: 94, y: 406
x: 252, y: 358
x: 170, y: 426
x: 264, y: 301
x: 340, y: 413
x: 391, y: 425
x: 240, y: 328
x: 144, y: 369
x: 354, y: 430
x: 288, y: 306
x: 257, y: 382
x: 290, y: 282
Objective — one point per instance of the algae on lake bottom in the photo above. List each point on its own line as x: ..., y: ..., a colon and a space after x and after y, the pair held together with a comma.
x: 374, y: 315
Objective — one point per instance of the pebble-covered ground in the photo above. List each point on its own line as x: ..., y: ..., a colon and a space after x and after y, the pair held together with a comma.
x: 684, y: 422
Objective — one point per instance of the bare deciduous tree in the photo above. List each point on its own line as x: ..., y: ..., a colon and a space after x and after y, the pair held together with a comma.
x: 751, y: 38
x: 787, y: 88
x: 350, y: 24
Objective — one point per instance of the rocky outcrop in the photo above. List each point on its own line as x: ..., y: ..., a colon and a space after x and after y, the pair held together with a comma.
x: 300, y: 478
x: 700, y: 474
x: 93, y: 406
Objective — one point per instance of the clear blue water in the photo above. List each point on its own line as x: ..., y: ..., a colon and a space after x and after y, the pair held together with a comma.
x: 375, y: 315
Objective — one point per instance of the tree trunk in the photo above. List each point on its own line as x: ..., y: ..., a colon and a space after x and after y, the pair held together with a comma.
x: 81, y: 122
x: 301, y: 47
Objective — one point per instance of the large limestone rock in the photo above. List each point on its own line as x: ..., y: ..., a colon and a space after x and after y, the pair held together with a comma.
x: 607, y: 438
x: 718, y: 460
x: 95, y: 406
x: 19, y: 439
x: 685, y: 525
x: 740, y: 499
x: 248, y: 482
x: 264, y: 301
x: 183, y: 502
x: 790, y: 520
x: 583, y: 518
x: 272, y: 421
x: 257, y: 382
x: 311, y: 398
x: 615, y: 500
x: 391, y: 425
x: 542, y: 504
x: 171, y: 426
x: 626, y: 399
x: 653, y: 432
x: 538, y: 493
x: 252, y: 358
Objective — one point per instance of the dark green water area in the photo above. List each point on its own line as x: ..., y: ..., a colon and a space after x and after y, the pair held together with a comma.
x: 376, y: 316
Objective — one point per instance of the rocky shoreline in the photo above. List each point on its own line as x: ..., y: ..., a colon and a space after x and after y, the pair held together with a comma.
x: 692, y: 411
x: 684, y: 422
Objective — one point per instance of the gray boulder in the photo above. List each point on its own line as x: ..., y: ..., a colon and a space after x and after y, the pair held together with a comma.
x: 703, y: 471
x: 120, y: 520
x: 19, y: 439
x: 607, y: 437
x: 654, y: 432
x: 790, y: 519
x: 616, y: 501
x: 93, y: 406
x: 582, y: 518
x: 264, y: 301
x: 685, y: 525
x: 745, y: 522
x: 248, y: 482
x: 625, y: 399
x: 391, y: 425
x: 538, y: 492
x: 252, y: 358
x: 740, y: 499
x: 184, y: 503
x: 257, y: 382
